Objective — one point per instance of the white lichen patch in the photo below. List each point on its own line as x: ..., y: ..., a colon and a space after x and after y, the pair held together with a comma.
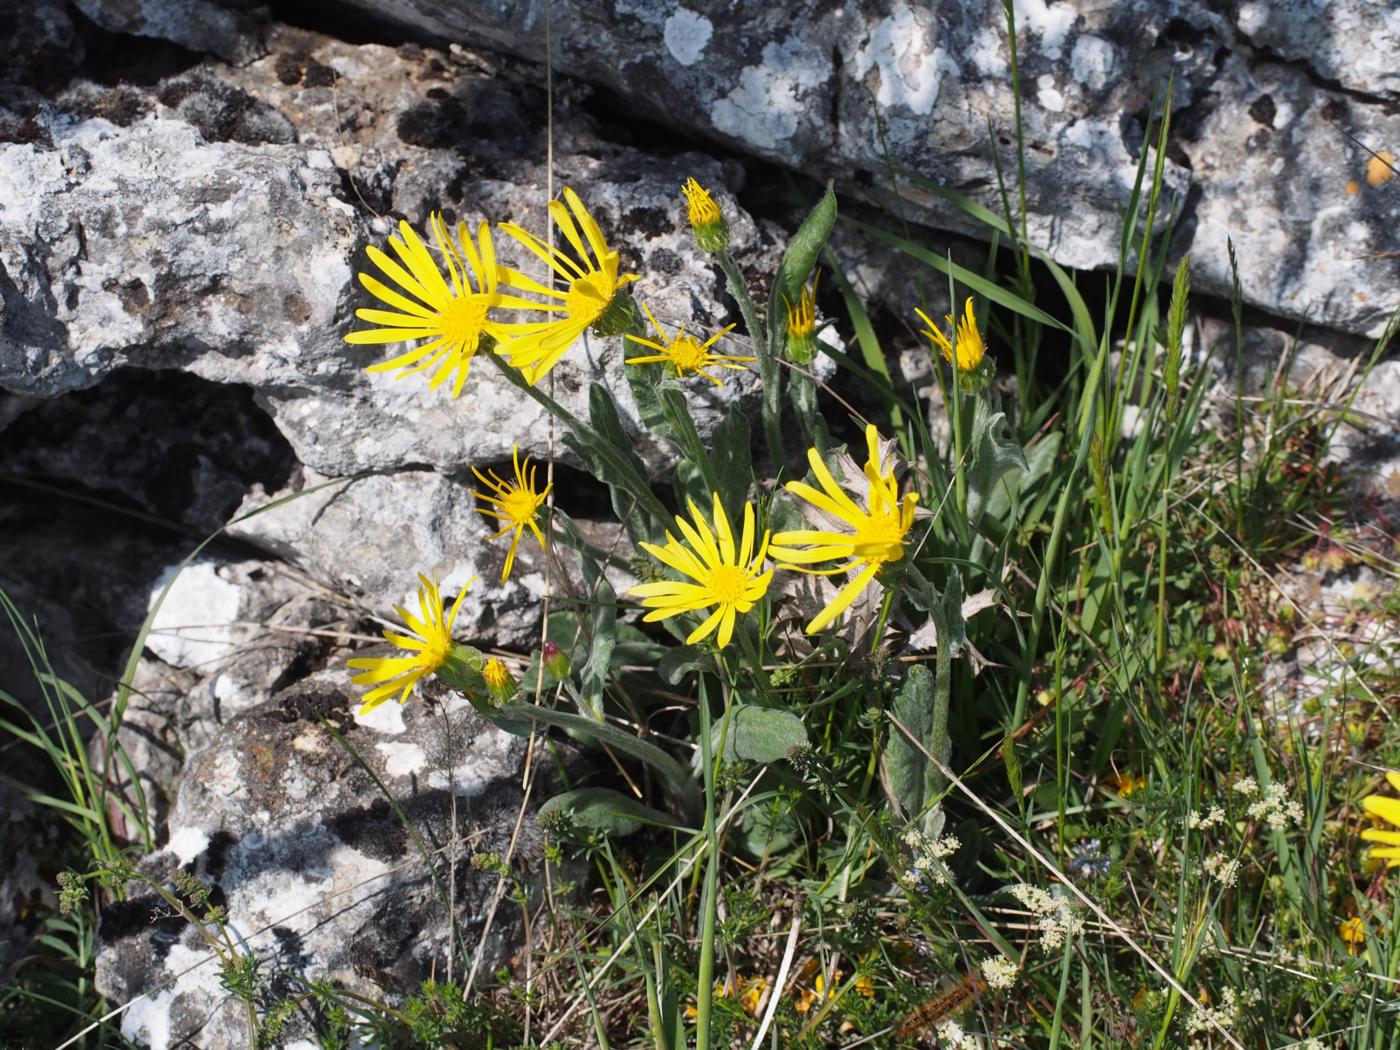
x: 187, y: 843
x: 1048, y: 95
x: 771, y: 103
x: 907, y: 61
x: 1252, y: 17
x: 387, y: 718
x: 1092, y: 61
x: 194, y: 625
x: 492, y: 755
x: 988, y: 53
x: 402, y: 760
x: 1048, y: 23
x: 148, y: 1020
x: 687, y: 34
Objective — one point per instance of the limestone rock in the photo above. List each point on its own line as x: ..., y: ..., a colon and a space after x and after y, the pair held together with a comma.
x: 318, y: 876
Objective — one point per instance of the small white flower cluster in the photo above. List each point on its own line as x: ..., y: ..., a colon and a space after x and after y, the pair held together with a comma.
x: 951, y: 1035
x: 1055, y: 917
x: 1226, y: 1015
x: 1224, y: 870
x: 1213, y: 818
x: 928, y: 868
x: 1271, y: 806
x: 1275, y: 809
x: 999, y: 973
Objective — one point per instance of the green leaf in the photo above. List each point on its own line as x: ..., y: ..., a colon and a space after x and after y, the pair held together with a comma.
x: 680, y: 660
x: 799, y: 259
x: 761, y: 734
x: 593, y: 678
x: 994, y: 455
x: 913, y: 781
x: 732, y: 455
x: 516, y: 718
x: 601, y: 811
x: 984, y: 287
x: 608, y: 454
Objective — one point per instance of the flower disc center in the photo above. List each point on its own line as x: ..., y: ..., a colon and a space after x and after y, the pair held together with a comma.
x: 727, y: 583
x: 463, y: 321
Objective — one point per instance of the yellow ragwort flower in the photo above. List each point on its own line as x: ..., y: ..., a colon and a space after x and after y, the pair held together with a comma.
x: 729, y: 579
x: 685, y: 353
x: 450, y: 320
x: 706, y: 221
x: 1387, y: 809
x: 1353, y: 933
x: 802, y: 323
x: 430, y: 645
x: 592, y: 284
x: 516, y: 503
x: 877, y: 531
x: 967, y: 348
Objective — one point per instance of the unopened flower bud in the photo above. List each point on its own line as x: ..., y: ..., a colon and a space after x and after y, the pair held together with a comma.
x: 555, y: 660
x: 499, y: 681
x: 801, y: 342
x: 706, y: 222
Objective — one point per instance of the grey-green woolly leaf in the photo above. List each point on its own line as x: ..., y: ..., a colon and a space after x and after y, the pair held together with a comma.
x: 761, y: 734
x: 994, y: 455
x: 606, y: 451
x: 593, y: 678
x: 732, y: 456
x: 680, y: 660
x: 799, y: 259
x: 911, y: 779
x: 1039, y: 462
x: 516, y: 718
x: 600, y: 811
x: 645, y: 382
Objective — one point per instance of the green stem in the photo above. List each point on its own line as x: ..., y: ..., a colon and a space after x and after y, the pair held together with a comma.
x: 704, y: 994
x: 767, y: 365
x: 637, y: 485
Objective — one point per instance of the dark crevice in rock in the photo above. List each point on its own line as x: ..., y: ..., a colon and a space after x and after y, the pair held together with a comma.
x: 113, y: 59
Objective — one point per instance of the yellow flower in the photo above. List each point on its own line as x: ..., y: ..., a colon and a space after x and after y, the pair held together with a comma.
x: 516, y: 503
x: 1387, y: 809
x: 818, y: 993
x: 724, y: 577
x: 451, y: 320
x: 1353, y: 933
x: 686, y: 353
x: 865, y: 986
x: 430, y: 645
x: 706, y: 222
x: 967, y: 348
x: 877, y: 531
x: 752, y: 997
x: 590, y: 274
x: 1125, y: 784
x: 802, y: 323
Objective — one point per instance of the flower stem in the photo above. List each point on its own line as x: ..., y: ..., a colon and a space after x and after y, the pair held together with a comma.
x: 635, y: 483
x: 767, y: 364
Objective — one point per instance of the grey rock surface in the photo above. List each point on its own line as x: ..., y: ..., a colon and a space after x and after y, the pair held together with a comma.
x: 318, y: 876
x: 371, y: 536
x: 218, y: 230
x: 844, y: 89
